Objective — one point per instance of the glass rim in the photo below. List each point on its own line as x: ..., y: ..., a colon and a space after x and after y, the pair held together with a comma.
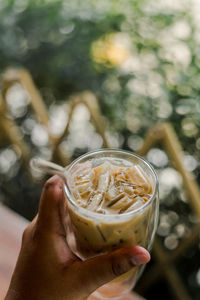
x: 84, y: 211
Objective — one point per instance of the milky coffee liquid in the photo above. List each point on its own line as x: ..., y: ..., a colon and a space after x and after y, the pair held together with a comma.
x: 112, y: 188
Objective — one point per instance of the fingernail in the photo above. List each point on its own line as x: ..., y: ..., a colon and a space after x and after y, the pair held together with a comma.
x: 139, y: 259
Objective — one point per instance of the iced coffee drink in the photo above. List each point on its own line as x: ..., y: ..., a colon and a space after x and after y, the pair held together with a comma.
x: 112, y: 203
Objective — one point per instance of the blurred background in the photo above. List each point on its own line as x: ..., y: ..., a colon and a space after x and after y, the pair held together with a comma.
x: 139, y: 62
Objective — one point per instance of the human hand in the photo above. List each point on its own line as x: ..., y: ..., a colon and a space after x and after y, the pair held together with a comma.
x: 47, y: 269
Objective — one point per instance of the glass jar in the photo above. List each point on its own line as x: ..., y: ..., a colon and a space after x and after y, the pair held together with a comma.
x: 90, y: 233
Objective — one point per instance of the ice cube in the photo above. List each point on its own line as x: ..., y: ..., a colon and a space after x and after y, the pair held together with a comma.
x: 128, y: 189
x: 85, y: 195
x: 81, y: 181
x: 112, y: 191
x: 116, y: 199
x: 83, y: 171
x: 82, y: 187
x: 94, y: 201
x: 123, y: 203
x: 103, y: 182
x: 138, y: 203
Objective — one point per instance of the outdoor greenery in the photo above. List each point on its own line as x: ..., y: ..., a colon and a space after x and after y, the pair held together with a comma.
x: 140, y: 58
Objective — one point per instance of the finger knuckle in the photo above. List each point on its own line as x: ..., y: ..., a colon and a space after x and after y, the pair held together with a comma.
x: 36, y: 235
x: 32, y: 233
x: 38, y: 232
x: 119, y: 267
x: 26, y: 234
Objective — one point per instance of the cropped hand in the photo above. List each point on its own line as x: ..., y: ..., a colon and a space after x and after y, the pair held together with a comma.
x: 46, y: 268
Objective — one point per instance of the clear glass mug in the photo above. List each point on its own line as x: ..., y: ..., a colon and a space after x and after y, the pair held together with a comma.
x: 90, y: 234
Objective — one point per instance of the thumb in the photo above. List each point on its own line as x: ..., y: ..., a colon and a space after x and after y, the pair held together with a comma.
x: 99, y: 270
x: 51, y: 202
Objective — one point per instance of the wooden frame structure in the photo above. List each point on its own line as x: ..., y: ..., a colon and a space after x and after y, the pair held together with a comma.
x: 165, y: 135
x: 10, y: 130
x: 162, y: 133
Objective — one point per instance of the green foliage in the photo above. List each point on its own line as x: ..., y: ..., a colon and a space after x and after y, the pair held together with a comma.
x: 53, y: 40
